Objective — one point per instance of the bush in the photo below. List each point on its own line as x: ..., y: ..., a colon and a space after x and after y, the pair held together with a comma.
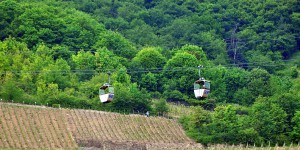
x: 9, y: 91
x: 175, y: 96
x: 63, y: 99
x: 160, y: 107
x: 129, y: 98
x: 56, y: 105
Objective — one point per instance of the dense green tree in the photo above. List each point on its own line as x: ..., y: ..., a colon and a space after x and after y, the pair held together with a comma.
x: 290, y: 103
x: 46, y: 91
x: 269, y: 61
x: 149, y: 58
x: 146, y: 61
x: 116, y: 24
x: 85, y: 64
x: 116, y: 43
x: 155, y: 17
x: 268, y: 119
x: 55, y: 25
x: 182, y: 68
x: 149, y: 82
x: 218, y: 86
x: 174, y: 96
x: 225, y: 124
x: 141, y: 34
x: 14, y: 53
x: 106, y: 60
x: 242, y: 25
x: 129, y: 98
x: 212, y: 45
x: 81, y: 31
x: 160, y: 107
x: 44, y: 27
x: 197, y: 124
x: 61, y: 52
x: 128, y: 11
x: 121, y: 76
x: 10, y: 90
x: 259, y: 82
x: 9, y: 10
x: 235, y: 79
x: 177, y: 31
x: 243, y: 97
x: 197, y: 52
x: 181, y: 61
x: 42, y: 58
x: 58, y: 72
x: 295, y: 134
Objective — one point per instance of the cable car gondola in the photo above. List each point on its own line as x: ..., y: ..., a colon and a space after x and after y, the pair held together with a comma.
x: 106, y: 92
x: 201, y: 87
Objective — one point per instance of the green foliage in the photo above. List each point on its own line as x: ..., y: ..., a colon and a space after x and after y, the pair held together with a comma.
x: 235, y: 79
x: 9, y: 90
x: 129, y: 98
x: 197, y: 52
x: 9, y: 10
x: 59, y: 52
x: 116, y: 43
x: 181, y: 61
x: 268, y: 120
x: 149, y: 82
x: 85, y: 62
x: 243, y: 96
x: 223, y: 125
x: 269, y: 61
x: 174, y: 95
x: 200, y: 117
x: 259, y: 82
x: 149, y: 58
x: 160, y: 107
x: 106, y: 60
x: 225, y: 122
x: 121, y: 76
x: 295, y: 134
x: 218, y: 85
x: 58, y: 73
x: 90, y: 88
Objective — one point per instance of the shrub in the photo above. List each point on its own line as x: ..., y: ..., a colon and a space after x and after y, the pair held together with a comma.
x: 160, y: 107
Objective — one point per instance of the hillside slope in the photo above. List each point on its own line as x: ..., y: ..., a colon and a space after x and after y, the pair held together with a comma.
x: 29, y: 127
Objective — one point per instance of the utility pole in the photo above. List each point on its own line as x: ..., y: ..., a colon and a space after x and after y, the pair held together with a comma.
x: 233, y: 42
x: 109, y: 73
x: 199, y: 67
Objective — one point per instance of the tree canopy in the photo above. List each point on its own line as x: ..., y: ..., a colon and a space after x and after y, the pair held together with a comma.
x: 61, y: 51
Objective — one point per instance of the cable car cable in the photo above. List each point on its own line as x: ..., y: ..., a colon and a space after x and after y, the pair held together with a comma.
x: 144, y: 70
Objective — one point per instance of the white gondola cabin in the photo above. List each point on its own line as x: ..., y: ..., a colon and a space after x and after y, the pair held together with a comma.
x: 201, y: 88
x: 106, y: 93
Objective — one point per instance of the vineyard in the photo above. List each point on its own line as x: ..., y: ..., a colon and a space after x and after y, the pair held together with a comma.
x: 39, y: 127
x: 35, y: 127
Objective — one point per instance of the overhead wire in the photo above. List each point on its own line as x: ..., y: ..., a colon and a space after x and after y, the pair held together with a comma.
x: 143, y: 70
x: 146, y: 70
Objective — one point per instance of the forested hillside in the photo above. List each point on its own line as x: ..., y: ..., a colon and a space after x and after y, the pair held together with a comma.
x: 61, y: 51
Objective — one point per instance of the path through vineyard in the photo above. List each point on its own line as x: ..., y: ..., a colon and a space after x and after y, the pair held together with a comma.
x: 30, y: 127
